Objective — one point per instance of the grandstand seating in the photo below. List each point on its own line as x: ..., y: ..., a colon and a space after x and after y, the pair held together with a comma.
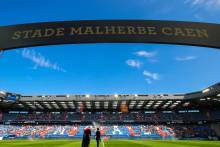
x: 111, y: 117
x: 114, y: 131
x: 156, y: 125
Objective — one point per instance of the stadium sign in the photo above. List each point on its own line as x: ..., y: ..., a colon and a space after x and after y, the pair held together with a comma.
x: 110, y: 31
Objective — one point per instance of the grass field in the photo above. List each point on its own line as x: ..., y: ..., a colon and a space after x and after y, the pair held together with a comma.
x: 111, y: 143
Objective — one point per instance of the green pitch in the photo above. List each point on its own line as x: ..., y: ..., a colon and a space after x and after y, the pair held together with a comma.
x: 111, y: 143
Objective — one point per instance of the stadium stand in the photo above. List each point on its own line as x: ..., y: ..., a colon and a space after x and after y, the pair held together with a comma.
x: 168, y: 116
x: 113, y: 131
x: 137, y: 116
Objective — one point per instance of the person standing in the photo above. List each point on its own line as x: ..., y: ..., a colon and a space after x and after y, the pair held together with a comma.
x: 98, y: 137
x: 86, y: 137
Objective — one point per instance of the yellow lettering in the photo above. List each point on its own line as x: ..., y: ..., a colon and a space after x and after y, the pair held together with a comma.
x: 27, y: 34
x: 202, y: 33
x: 131, y: 30
x: 167, y: 31
x: 110, y: 30
x: 98, y: 31
x: 141, y: 30
x: 88, y: 31
x: 76, y: 31
x: 37, y: 33
x: 49, y: 32
x: 152, y: 30
x: 190, y: 32
x: 17, y: 35
x: 179, y: 32
x: 121, y: 30
x: 60, y: 32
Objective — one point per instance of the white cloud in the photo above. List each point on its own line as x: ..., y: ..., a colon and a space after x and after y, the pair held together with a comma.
x: 40, y: 61
x: 204, y: 3
x: 134, y: 63
x: 151, y: 75
x: 199, y: 18
x: 149, y: 81
x: 145, y: 54
x: 186, y: 58
x: 153, y: 60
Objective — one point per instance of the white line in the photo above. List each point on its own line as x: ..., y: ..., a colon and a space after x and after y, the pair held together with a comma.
x: 103, y: 144
x: 94, y: 124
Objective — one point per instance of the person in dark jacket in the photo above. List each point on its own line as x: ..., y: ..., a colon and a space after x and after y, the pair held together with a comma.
x: 86, y: 137
x: 98, y: 137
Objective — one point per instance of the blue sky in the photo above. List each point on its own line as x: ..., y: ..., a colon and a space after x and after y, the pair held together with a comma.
x: 108, y: 68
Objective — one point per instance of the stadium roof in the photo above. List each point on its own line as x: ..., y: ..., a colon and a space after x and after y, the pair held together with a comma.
x: 208, y: 98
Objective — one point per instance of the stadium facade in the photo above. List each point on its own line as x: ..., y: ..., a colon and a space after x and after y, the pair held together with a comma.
x: 182, y: 116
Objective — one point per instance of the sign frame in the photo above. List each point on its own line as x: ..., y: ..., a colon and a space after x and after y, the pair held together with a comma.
x: 110, y: 31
